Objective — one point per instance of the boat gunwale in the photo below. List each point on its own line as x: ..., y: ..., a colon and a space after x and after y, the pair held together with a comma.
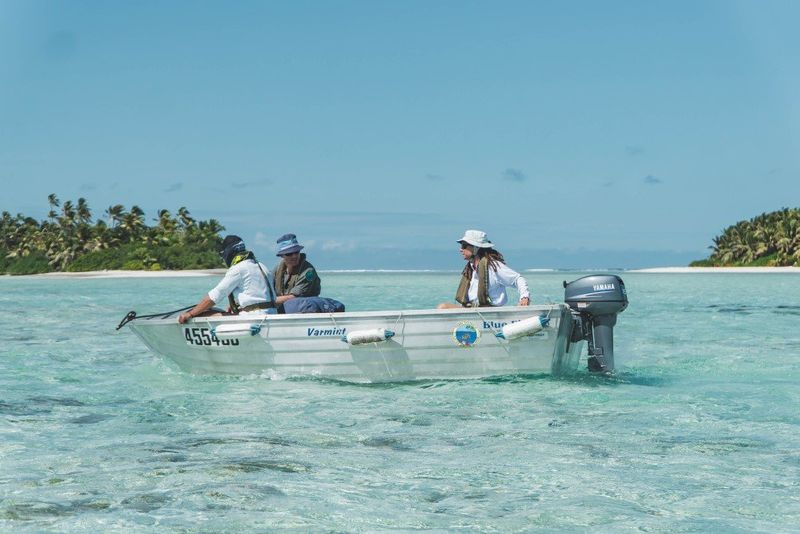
x: 393, y: 314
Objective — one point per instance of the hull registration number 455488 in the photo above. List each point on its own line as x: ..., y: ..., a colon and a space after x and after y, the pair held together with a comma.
x: 204, y: 337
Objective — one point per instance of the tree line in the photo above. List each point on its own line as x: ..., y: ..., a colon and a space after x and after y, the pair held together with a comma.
x: 770, y: 239
x: 70, y: 239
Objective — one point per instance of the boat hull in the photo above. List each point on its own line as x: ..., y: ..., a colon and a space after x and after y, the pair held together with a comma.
x: 426, y: 344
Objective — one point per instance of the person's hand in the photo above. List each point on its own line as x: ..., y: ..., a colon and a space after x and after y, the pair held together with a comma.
x: 524, y: 301
x: 182, y: 318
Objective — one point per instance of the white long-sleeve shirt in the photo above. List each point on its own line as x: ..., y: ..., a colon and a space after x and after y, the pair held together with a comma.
x: 498, y: 282
x: 246, y: 283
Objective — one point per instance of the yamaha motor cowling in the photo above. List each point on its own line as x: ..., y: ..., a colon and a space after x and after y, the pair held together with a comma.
x: 595, y: 302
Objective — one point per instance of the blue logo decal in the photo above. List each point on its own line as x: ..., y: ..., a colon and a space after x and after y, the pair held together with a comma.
x: 466, y: 335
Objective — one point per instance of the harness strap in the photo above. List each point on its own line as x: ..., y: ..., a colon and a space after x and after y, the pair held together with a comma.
x: 257, y: 306
x: 462, y: 294
x: 269, y: 287
x: 235, y: 308
x: 232, y: 303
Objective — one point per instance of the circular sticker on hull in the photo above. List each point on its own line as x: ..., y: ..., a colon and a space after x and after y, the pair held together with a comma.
x: 466, y: 334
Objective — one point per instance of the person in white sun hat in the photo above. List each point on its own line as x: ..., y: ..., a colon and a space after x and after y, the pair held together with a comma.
x: 486, y: 276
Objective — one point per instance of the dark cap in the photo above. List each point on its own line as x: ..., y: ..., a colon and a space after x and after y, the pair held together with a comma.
x: 231, y: 245
x: 229, y: 240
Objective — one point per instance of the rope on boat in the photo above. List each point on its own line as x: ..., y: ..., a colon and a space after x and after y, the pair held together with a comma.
x: 131, y: 315
x: 263, y: 321
x: 504, y: 345
x: 400, y: 316
x: 333, y: 319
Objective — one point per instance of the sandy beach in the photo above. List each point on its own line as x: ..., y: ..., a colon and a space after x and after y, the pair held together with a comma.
x: 695, y: 270
x: 135, y: 274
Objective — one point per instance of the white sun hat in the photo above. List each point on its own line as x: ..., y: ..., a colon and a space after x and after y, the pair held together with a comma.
x: 476, y: 238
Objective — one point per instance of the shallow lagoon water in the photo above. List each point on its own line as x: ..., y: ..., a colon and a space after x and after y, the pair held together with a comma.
x: 698, y: 432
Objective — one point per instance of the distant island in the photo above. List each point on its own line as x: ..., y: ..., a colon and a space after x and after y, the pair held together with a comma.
x: 768, y: 240
x: 69, y: 241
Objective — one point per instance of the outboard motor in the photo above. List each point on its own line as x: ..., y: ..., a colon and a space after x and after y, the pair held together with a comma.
x: 595, y: 302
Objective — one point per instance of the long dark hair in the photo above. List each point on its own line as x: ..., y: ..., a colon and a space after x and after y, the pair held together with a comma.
x: 491, y: 254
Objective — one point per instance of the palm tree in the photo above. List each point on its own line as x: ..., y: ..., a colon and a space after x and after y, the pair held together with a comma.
x: 165, y: 221
x: 8, y: 226
x: 115, y: 214
x: 83, y: 212
x: 184, y: 216
x: 132, y: 223
x: 64, y: 255
x: 67, y: 214
x: 208, y: 232
x: 100, y: 238
x: 25, y: 237
x: 52, y: 199
x: 165, y: 232
x: 68, y: 233
x: 768, y: 234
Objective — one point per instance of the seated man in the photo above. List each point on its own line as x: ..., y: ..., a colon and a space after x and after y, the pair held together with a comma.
x: 294, y: 275
x: 247, y: 285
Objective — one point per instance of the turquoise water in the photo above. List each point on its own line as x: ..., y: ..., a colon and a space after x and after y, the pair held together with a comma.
x: 699, y: 432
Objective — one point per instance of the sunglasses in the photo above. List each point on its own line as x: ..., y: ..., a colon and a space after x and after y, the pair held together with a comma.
x: 291, y: 254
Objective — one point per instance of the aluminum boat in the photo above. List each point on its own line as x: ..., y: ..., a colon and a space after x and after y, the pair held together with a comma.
x: 392, y: 346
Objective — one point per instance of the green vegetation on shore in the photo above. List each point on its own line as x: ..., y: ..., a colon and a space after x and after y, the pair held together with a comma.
x: 68, y: 240
x: 768, y: 240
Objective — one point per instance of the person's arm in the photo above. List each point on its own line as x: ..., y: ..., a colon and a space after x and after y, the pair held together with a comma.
x: 221, y: 291
x: 305, y: 283
x: 201, y: 307
x: 510, y: 278
x: 284, y: 298
x: 279, y: 299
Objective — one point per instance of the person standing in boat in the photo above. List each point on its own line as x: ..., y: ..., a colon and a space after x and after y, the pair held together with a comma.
x: 294, y: 275
x: 486, y: 276
x: 247, y: 285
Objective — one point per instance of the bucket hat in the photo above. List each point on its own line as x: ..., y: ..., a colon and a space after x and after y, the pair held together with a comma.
x: 476, y: 238
x: 287, y: 244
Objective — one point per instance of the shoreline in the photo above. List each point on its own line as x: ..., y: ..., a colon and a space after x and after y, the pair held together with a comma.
x: 716, y: 270
x: 220, y: 272
x: 130, y: 274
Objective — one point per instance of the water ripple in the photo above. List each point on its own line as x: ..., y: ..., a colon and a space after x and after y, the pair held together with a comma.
x: 697, y: 431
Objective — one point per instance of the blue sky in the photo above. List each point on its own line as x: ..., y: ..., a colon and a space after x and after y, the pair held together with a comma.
x: 577, y: 134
